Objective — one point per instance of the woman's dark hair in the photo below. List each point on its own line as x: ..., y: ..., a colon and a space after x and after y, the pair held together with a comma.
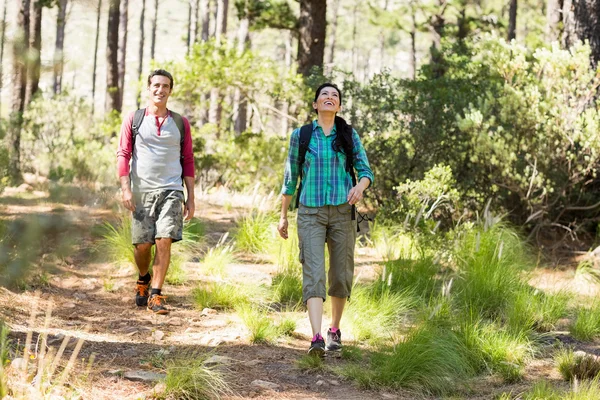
x: 161, y: 72
x: 343, y: 140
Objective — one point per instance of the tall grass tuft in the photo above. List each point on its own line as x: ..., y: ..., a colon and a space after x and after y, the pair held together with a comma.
x: 391, y: 243
x: 218, y: 295
x: 490, y: 266
x: 287, y: 287
x: 219, y: 257
x: 189, y: 379
x: 587, y: 323
x: 430, y: 359
x: 495, y: 349
x: 541, y: 390
x: 176, y: 274
x: 532, y: 309
x: 310, y: 363
x: 375, y: 311
x: 116, y: 241
x: 261, y: 327
x: 255, y: 232
x: 417, y: 275
x: 577, y: 365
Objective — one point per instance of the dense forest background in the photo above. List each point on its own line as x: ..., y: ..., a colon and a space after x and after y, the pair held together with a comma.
x: 463, y: 106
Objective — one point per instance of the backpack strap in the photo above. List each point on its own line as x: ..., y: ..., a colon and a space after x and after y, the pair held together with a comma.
x: 180, y: 125
x: 304, y: 140
x: 138, y: 117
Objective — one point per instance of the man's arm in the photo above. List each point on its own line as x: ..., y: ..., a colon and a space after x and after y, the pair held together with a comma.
x: 123, y: 157
x: 127, y: 196
x: 190, y: 205
x: 286, y: 199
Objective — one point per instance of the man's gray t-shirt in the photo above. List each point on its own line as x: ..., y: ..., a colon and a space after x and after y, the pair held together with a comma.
x: 156, y: 158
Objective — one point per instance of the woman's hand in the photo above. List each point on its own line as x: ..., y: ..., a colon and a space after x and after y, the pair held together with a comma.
x: 283, y: 228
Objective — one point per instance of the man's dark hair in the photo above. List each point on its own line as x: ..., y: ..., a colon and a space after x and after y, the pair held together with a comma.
x: 323, y: 86
x: 162, y: 72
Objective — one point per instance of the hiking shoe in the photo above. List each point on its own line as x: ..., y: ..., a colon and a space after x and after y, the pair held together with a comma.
x: 141, y: 293
x: 156, y: 304
x: 317, y: 347
x: 334, y: 340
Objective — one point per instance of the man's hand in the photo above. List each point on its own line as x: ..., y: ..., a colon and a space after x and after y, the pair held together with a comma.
x: 283, y: 228
x: 189, y: 209
x: 127, y: 200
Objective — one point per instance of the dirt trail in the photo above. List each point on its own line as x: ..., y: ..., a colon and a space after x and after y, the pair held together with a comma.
x: 123, y: 337
x: 93, y: 300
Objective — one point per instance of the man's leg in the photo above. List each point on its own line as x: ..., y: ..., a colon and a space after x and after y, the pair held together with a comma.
x: 142, y: 253
x: 162, y: 258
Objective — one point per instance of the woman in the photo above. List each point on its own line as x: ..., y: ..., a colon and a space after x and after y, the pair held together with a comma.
x: 325, y: 214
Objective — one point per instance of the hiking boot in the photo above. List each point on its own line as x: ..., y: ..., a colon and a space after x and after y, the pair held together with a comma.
x: 156, y: 304
x: 334, y: 340
x: 141, y: 293
x: 317, y: 347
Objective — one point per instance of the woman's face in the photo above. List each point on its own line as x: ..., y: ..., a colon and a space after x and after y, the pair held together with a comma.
x: 328, y: 101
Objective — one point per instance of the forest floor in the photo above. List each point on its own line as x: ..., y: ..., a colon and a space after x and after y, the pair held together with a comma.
x: 93, y: 299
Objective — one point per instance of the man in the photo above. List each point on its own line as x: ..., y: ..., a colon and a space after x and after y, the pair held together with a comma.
x: 160, y: 154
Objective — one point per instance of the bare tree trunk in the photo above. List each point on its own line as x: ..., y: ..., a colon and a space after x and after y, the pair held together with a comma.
x: 2, y: 37
x: 193, y: 23
x: 141, y: 53
x: 382, y: 41
x: 189, y: 30
x: 20, y: 44
x: 59, y: 45
x: 95, y: 56
x: 333, y: 33
x: 240, y: 103
x: 354, y: 35
x: 205, y: 16
x: 437, y: 23
x: 312, y: 26
x: 553, y: 19
x: 581, y: 20
x: 112, y: 65
x: 285, y: 107
x: 512, y: 20
x: 413, y: 42
x: 153, y: 34
x: 215, y: 111
x: 35, y: 48
x: 123, y: 22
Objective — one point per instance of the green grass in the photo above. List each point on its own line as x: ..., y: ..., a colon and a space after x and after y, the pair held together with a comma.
x: 255, y: 232
x: 430, y: 359
x: 416, y: 275
x: 491, y: 264
x: 352, y: 353
x: 218, y: 295
x: 495, y: 349
x: 541, y: 390
x: 572, y: 365
x: 217, y: 258
x: 587, y: 323
x: 261, y: 327
x: 374, y: 312
x: 286, y: 288
x: 189, y: 379
x: 286, y: 326
x: 116, y: 242
x: 391, y: 243
x: 176, y: 274
x: 532, y: 309
x: 309, y: 363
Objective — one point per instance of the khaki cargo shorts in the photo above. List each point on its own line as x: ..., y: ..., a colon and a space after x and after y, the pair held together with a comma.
x: 158, y: 214
x: 334, y: 223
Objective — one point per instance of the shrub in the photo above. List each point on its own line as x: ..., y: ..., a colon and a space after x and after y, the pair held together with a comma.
x: 255, y: 232
x: 587, y: 323
x: 189, y: 379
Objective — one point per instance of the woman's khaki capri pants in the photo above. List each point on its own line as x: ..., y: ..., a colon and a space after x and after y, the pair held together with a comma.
x: 315, y: 226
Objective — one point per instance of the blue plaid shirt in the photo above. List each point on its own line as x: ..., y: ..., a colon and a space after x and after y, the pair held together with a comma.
x: 324, y: 177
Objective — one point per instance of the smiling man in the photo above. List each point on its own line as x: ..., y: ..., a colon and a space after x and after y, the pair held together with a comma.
x: 157, y: 142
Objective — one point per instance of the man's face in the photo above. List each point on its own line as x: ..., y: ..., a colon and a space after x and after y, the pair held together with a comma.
x: 159, y: 90
x: 328, y: 100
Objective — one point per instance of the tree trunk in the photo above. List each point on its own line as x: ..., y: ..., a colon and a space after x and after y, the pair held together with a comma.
x: 512, y: 20
x: 141, y: 53
x: 123, y: 22
x: 312, y: 26
x: 153, y: 34
x: 2, y: 37
x: 240, y: 103
x: 354, y: 36
x: 333, y: 33
x: 193, y: 23
x: 205, y: 16
x: 112, y: 65
x: 382, y: 41
x: 20, y: 44
x: 553, y: 19
x: 582, y: 22
x: 215, y: 111
x: 95, y: 56
x: 413, y: 42
x: 35, y: 48
x: 59, y: 46
x: 437, y: 23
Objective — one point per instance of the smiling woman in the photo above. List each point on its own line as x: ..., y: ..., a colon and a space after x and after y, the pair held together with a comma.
x: 325, y: 162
